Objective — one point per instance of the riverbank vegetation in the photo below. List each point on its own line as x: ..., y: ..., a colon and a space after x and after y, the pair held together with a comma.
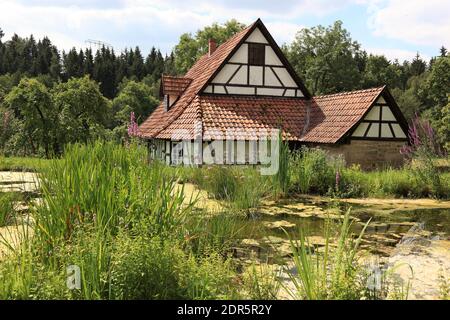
x: 313, y: 171
x: 134, y: 235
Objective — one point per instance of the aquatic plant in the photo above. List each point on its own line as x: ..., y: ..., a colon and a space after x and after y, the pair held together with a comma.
x: 332, y: 274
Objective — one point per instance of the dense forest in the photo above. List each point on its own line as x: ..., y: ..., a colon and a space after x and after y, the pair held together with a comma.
x: 49, y: 97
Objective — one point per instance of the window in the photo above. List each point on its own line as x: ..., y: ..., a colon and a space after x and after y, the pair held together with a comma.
x: 256, y: 54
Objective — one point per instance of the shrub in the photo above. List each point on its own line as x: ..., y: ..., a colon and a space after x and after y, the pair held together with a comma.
x: 146, y: 268
x: 220, y: 182
x: 313, y: 171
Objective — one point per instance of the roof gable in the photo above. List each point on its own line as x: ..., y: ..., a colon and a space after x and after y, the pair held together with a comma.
x: 200, y: 74
x: 272, y: 75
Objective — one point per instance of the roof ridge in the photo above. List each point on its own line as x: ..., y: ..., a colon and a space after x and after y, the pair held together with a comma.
x: 350, y: 92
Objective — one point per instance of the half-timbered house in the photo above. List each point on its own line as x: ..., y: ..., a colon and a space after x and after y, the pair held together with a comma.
x: 239, y: 92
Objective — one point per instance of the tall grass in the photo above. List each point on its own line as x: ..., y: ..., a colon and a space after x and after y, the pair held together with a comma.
x: 105, y: 187
x: 123, y: 222
x: 6, y: 207
x: 313, y: 171
x: 21, y: 163
x: 331, y: 274
x: 281, y: 179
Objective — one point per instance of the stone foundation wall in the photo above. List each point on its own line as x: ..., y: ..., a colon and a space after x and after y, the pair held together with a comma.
x: 369, y: 154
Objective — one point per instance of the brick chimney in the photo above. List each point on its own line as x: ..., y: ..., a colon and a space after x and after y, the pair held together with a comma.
x: 212, y: 45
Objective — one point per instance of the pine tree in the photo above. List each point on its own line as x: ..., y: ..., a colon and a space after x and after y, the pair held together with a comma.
x: 418, y: 66
x: 88, y: 67
x: 137, y: 64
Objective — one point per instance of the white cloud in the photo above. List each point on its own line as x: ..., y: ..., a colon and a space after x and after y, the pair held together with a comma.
x: 147, y: 22
x: 393, y: 54
x: 415, y: 21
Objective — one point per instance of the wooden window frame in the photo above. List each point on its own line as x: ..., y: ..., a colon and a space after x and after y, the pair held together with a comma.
x: 256, y: 54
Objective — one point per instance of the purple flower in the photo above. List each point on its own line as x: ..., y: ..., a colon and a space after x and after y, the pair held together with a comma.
x: 338, y: 179
x: 421, y: 135
x: 133, y: 128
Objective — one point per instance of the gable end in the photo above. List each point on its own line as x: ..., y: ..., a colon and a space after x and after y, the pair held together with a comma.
x: 256, y: 66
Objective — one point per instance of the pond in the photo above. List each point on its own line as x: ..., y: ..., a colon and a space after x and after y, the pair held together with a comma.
x: 271, y: 226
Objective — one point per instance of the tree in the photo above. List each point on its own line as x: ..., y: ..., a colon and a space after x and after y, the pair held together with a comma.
x: 137, y: 64
x: 105, y: 71
x: 82, y: 110
x: 327, y: 58
x: 190, y: 48
x: 134, y: 97
x: 443, y: 126
x: 443, y: 51
x: 31, y: 103
x: 437, y: 84
x: 418, y: 66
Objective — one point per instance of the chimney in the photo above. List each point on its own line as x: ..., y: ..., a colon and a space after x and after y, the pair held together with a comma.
x: 211, y: 46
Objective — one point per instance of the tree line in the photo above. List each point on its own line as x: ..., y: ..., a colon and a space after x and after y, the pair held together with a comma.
x: 49, y: 98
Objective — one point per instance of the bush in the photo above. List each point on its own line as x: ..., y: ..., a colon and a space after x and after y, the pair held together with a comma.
x: 153, y: 269
x: 313, y: 171
x: 220, y: 182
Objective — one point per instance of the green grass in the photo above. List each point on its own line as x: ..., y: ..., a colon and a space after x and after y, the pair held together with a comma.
x: 22, y: 164
x: 332, y: 274
x: 106, y: 210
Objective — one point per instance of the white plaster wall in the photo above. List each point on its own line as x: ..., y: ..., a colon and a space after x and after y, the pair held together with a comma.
x: 373, y: 131
x: 290, y: 93
x: 270, y: 78
x: 360, y: 130
x: 387, y: 114
x: 256, y: 75
x: 398, y: 131
x: 269, y: 91
x: 219, y: 89
x: 374, y: 114
x: 386, y: 131
x: 241, y: 54
x: 257, y: 36
x: 241, y: 76
x: 225, y: 74
x: 285, y: 77
x: 240, y: 90
x: 381, y: 100
x: 271, y: 57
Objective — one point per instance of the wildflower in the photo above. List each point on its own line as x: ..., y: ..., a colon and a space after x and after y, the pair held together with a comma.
x: 338, y: 179
x: 133, y: 129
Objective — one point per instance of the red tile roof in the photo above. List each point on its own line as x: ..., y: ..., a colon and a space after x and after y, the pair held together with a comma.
x: 332, y: 116
x: 174, y: 85
x: 200, y: 73
x: 323, y: 119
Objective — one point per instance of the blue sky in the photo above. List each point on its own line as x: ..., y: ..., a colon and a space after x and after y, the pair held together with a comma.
x: 395, y: 28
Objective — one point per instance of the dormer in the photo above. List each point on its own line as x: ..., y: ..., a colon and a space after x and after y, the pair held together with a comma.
x: 171, y: 89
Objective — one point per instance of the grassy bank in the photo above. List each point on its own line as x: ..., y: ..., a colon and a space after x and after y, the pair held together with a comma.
x: 22, y: 164
x: 313, y: 171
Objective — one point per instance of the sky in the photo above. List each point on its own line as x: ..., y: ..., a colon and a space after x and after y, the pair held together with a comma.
x: 396, y: 28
